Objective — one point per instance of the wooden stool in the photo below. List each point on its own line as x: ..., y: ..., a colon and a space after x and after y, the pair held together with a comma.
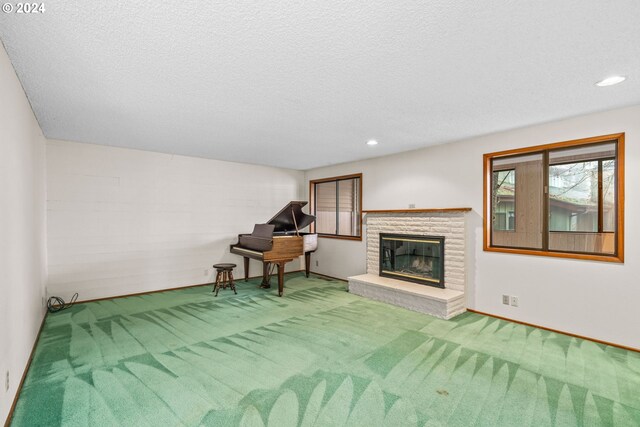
x: 224, y: 277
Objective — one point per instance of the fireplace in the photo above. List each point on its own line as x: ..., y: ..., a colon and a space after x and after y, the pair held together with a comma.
x: 414, y: 258
x: 443, y: 295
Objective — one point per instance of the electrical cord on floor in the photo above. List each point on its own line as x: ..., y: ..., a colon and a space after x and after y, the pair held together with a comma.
x: 55, y: 304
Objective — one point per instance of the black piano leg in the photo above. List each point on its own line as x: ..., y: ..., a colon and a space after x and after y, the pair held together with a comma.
x: 266, y: 279
x: 280, y: 278
x: 246, y: 268
x: 307, y: 263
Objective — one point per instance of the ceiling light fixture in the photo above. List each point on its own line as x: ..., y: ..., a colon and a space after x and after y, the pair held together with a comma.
x: 610, y: 81
x: 372, y: 142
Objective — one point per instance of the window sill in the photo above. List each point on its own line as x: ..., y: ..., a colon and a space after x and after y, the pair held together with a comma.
x: 332, y: 236
x: 587, y: 257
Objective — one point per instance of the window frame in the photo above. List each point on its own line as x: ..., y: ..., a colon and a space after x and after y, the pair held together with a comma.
x: 617, y: 256
x: 312, y: 205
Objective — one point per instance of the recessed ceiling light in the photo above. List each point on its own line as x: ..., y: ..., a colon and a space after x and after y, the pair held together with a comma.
x: 372, y: 142
x: 610, y: 81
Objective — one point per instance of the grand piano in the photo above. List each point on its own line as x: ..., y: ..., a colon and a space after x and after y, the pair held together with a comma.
x: 278, y: 242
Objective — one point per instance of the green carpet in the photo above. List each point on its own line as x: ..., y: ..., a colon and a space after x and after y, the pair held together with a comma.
x: 317, y: 356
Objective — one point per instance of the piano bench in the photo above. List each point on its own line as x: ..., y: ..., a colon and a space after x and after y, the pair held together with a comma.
x: 224, y: 277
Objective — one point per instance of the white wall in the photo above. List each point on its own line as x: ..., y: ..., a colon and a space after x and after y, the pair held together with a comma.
x: 122, y: 221
x: 594, y: 299
x: 22, y: 232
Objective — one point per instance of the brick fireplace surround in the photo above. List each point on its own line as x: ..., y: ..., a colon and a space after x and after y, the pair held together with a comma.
x: 443, y: 303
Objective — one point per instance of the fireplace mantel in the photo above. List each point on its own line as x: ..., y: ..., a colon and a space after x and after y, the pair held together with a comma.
x: 432, y: 210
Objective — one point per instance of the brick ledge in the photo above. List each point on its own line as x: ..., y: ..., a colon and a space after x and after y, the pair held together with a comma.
x: 441, y: 303
x: 430, y: 292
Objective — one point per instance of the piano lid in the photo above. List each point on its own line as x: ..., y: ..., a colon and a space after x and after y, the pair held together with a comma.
x: 283, y: 220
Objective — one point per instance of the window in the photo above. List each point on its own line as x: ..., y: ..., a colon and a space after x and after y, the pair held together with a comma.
x: 564, y: 199
x: 337, y: 205
x: 504, y: 193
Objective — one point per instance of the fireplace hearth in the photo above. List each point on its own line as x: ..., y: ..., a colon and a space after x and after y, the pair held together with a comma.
x: 413, y: 258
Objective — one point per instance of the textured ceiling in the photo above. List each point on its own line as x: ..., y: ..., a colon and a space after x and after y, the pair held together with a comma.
x: 302, y: 84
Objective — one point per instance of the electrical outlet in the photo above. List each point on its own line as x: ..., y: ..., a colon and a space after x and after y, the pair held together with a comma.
x: 505, y: 299
x: 317, y: 263
x: 514, y: 301
x: 6, y: 382
x: 412, y: 205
